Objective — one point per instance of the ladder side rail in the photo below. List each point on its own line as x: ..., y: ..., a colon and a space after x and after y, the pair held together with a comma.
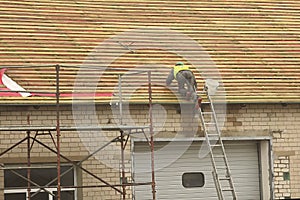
x: 214, y: 172
x: 217, y: 182
x: 218, y: 130
x: 222, y: 146
x: 208, y: 142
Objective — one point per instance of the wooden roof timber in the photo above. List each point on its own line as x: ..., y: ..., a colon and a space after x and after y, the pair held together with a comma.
x: 254, y: 45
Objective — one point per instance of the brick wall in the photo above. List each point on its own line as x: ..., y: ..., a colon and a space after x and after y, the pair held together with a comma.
x: 282, y: 123
x: 74, y: 145
x: 282, y: 177
x: 279, y: 121
x: 276, y: 120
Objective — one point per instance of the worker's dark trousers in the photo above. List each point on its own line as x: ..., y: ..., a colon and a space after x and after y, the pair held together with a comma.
x: 186, y: 82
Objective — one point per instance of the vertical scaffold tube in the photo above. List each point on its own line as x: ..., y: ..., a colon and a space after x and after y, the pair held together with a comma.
x: 151, y: 136
x: 120, y: 101
x: 28, y: 162
x: 58, y: 131
x: 123, y: 166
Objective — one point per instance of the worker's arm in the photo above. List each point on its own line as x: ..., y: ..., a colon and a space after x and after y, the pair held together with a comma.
x: 170, y: 78
x: 195, y: 83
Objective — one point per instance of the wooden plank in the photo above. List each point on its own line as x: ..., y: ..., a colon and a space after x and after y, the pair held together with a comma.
x: 239, y: 39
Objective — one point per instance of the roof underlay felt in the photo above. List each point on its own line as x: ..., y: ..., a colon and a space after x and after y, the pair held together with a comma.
x: 251, y: 47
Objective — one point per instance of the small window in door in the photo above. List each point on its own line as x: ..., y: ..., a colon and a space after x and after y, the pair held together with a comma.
x: 193, y: 179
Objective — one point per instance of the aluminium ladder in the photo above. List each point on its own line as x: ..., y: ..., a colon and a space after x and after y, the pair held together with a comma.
x: 221, y: 172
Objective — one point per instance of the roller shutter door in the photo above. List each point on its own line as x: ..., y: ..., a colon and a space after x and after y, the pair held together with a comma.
x: 243, y: 160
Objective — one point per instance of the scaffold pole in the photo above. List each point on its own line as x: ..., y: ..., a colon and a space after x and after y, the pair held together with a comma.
x: 151, y: 137
x: 57, y: 67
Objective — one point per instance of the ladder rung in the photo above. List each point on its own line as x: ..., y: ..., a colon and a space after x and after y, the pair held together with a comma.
x: 210, y: 123
x: 221, y: 167
x: 213, y: 137
x: 219, y: 156
x: 224, y: 179
x: 227, y: 189
x: 212, y: 133
x: 206, y: 113
x: 216, y: 145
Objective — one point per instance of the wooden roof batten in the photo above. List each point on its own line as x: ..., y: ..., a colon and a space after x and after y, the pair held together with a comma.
x: 254, y: 44
x: 159, y: 92
x: 50, y: 91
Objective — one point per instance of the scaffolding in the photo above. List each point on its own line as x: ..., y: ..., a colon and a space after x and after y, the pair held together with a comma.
x: 125, y: 132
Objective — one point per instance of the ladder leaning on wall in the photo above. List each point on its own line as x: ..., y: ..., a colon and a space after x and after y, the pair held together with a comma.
x: 221, y: 171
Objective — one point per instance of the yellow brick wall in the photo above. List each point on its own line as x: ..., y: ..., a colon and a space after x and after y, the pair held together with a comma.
x: 282, y: 184
x: 276, y: 120
x: 279, y: 121
x: 73, y: 144
x: 282, y: 123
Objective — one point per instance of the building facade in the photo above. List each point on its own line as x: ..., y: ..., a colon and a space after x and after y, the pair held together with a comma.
x: 95, y: 54
x: 257, y: 129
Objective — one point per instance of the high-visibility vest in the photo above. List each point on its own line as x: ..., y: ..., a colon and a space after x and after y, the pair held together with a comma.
x: 179, y: 68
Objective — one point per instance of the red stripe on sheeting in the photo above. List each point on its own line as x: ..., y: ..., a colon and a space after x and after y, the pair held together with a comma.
x: 17, y: 94
x: 1, y: 74
x: 9, y: 94
x: 97, y: 94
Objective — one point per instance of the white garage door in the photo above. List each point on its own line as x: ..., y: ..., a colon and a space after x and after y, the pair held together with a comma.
x: 181, y: 163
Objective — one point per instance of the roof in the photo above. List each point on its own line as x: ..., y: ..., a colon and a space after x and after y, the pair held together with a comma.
x: 252, y: 47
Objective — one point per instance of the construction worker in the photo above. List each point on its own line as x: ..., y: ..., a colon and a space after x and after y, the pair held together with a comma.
x: 187, y: 84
